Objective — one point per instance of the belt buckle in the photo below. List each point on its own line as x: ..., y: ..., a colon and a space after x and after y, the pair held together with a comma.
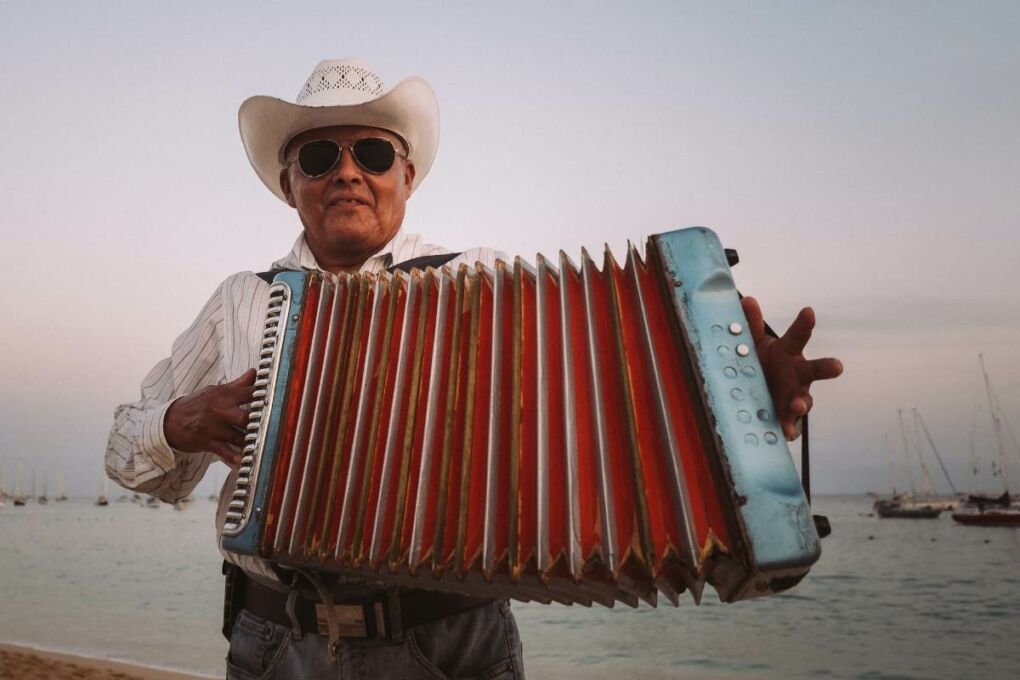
x: 352, y: 619
x: 378, y: 617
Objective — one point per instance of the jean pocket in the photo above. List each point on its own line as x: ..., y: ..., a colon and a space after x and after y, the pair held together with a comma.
x: 256, y: 649
x: 474, y: 645
x: 500, y: 670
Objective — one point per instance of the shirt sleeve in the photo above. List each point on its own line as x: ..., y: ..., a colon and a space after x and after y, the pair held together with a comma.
x: 138, y: 456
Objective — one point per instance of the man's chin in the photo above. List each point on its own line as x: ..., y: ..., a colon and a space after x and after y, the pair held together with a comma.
x: 347, y: 244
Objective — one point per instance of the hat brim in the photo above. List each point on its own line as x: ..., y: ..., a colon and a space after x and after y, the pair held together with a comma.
x: 409, y: 110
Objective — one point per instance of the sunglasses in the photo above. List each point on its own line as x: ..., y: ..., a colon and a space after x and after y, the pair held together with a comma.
x: 372, y: 154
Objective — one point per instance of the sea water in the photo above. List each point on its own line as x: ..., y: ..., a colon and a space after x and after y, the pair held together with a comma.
x: 888, y: 599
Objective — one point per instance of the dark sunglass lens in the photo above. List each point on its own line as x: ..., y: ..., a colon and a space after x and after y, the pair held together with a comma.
x: 317, y: 158
x: 374, y: 154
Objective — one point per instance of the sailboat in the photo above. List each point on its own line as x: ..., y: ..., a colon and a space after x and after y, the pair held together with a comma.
x: 42, y: 499
x: 908, y: 506
x: 983, y: 509
x: 62, y: 493
x: 101, y: 499
x: 19, y: 498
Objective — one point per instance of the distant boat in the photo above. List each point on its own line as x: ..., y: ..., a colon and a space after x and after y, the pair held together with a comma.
x: 907, y: 505
x: 101, y: 499
x: 62, y: 492
x: 137, y: 499
x: 905, y: 509
x: 19, y: 498
x: 984, y: 509
x: 988, y: 517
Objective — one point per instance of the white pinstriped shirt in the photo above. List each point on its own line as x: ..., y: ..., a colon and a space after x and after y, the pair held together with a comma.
x: 221, y: 344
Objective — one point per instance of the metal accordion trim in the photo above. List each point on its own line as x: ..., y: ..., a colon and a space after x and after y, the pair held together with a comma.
x: 550, y: 433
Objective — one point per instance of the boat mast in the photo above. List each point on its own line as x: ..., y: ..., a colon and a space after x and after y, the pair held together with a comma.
x: 996, y: 424
x: 929, y: 487
x: 892, y: 464
x: 931, y: 442
x: 975, y: 462
x: 906, y: 452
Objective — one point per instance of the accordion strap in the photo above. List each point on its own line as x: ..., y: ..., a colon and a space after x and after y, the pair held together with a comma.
x: 422, y: 262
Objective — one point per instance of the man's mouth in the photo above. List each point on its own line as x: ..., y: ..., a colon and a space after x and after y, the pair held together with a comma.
x: 346, y: 202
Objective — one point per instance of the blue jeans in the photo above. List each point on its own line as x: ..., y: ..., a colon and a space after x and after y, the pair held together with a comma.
x: 480, y: 644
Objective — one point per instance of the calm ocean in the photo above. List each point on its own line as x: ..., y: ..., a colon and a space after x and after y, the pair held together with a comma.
x: 889, y: 599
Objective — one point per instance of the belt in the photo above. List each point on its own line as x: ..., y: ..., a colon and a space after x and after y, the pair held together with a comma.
x: 375, y: 614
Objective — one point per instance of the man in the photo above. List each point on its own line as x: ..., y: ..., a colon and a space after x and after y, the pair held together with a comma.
x: 346, y: 156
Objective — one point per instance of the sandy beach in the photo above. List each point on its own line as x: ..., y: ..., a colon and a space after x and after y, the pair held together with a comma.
x: 23, y: 663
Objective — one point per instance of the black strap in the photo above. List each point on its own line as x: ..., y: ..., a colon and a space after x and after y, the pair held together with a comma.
x: 423, y: 262
x: 233, y: 596
x: 271, y: 274
x: 822, y: 524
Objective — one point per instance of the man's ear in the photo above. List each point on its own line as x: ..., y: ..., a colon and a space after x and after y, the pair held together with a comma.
x: 408, y: 178
x: 285, y: 187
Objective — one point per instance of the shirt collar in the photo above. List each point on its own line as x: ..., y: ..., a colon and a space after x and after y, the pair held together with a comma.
x: 301, y: 257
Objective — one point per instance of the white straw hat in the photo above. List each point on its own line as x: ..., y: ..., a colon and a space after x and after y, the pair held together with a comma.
x: 340, y: 92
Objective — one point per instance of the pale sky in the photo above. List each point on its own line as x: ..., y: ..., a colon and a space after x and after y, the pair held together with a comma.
x: 864, y: 158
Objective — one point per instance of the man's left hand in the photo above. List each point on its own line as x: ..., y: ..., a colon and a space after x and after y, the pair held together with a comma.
x: 789, y: 375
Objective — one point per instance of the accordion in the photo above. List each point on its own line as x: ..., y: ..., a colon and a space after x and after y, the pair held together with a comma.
x: 551, y: 433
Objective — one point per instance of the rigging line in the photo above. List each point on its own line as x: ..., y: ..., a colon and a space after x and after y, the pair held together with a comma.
x: 927, y: 434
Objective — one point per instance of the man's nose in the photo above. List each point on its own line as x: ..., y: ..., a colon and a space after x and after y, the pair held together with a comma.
x: 347, y: 169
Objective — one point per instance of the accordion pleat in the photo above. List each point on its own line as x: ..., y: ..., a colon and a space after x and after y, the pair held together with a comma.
x: 526, y: 432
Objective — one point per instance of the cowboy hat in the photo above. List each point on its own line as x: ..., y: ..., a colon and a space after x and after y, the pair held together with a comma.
x: 340, y: 92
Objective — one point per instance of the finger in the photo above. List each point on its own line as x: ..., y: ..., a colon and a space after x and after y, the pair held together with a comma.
x: 228, y: 434
x: 755, y: 320
x: 797, y: 335
x: 240, y: 390
x: 235, y: 416
x: 800, y: 405
x: 820, y: 369
x: 227, y: 454
x: 791, y: 429
x: 246, y: 378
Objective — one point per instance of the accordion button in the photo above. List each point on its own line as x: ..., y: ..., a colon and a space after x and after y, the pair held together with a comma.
x: 743, y: 350
x: 736, y: 328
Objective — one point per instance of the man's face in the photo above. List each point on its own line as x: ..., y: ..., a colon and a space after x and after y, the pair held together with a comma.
x: 348, y: 213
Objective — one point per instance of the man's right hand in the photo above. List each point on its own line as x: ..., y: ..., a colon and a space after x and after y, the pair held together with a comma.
x: 212, y: 419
